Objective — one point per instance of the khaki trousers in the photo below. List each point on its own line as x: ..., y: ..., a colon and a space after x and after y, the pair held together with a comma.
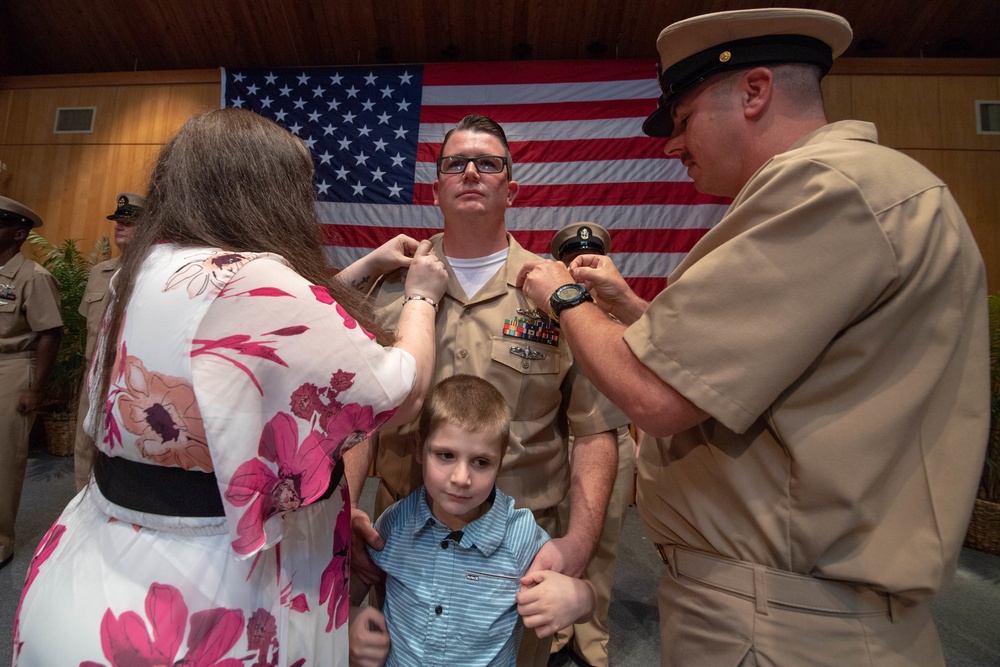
x: 709, y: 618
x: 16, y: 374
x: 590, y: 640
x: 83, y: 448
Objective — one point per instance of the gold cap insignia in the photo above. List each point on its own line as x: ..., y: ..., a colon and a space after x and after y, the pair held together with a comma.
x: 725, y: 57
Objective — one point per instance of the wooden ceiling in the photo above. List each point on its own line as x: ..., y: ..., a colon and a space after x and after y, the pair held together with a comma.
x: 60, y: 36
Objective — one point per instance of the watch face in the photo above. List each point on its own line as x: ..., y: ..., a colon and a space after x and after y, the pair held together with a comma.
x: 568, y: 292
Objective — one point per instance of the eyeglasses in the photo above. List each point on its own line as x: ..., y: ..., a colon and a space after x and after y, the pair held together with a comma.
x: 485, y: 164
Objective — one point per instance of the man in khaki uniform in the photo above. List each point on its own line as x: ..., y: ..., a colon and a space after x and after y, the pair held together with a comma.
x: 819, y: 359
x: 30, y: 331
x: 486, y: 328
x: 588, y: 641
x: 95, y: 301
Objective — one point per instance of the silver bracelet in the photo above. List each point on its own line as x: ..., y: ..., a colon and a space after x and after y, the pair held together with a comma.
x: 417, y: 297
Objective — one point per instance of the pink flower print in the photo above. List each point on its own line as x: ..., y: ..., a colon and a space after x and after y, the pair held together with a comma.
x: 350, y: 322
x: 163, y: 412
x: 262, y: 632
x: 42, y: 553
x: 112, y: 434
x: 322, y: 294
x: 213, y: 633
x: 306, y: 401
x: 341, y: 381
x: 211, y: 273
x: 334, y: 584
x: 303, y: 474
x: 353, y: 424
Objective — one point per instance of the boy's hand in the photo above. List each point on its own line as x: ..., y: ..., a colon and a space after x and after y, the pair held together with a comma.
x: 368, y: 637
x: 549, y: 601
x: 363, y: 534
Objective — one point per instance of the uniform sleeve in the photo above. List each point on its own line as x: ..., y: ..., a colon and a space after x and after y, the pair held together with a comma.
x: 801, y: 256
x: 286, y: 381
x: 588, y: 410
x: 41, y: 296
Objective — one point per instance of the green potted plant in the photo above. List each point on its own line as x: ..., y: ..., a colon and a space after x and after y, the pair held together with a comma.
x: 984, y: 528
x: 71, y: 268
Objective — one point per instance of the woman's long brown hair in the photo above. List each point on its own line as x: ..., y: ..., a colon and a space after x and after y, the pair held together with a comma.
x: 233, y: 180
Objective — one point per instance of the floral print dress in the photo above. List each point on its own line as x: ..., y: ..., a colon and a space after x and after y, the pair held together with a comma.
x: 228, y: 363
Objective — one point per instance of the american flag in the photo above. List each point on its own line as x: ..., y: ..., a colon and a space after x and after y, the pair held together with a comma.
x: 574, y: 131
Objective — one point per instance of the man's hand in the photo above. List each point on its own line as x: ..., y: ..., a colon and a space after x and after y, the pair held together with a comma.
x: 538, y: 279
x: 29, y: 401
x: 363, y: 534
x: 563, y: 555
x: 602, y: 279
x: 368, y: 637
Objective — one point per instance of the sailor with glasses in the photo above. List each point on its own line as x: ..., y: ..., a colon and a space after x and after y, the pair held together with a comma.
x: 486, y: 327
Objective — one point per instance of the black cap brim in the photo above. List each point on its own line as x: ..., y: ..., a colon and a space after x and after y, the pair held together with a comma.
x: 687, y: 74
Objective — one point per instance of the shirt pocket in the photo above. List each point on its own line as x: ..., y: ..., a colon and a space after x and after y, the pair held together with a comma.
x: 490, y: 613
x: 92, y: 308
x: 531, y: 386
x: 9, y: 317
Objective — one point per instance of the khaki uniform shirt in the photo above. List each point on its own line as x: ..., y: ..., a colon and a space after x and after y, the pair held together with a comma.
x: 549, y: 397
x: 95, y: 299
x: 29, y: 302
x: 834, y: 327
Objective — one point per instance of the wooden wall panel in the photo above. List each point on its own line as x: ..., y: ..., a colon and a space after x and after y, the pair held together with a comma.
x: 80, y: 184
x: 837, y: 97
x: 957, y: 111
x: 147, y: 114
x: 905, y: 109
x: 72, y: 180
x: 972, y: 177
x: 125, y: 114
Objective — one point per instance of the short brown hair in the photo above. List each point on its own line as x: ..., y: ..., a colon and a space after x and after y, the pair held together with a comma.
x: 483, y: 125
x: 470, y: 403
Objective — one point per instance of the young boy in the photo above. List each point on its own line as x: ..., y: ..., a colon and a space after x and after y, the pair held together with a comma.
x: 456, y: 551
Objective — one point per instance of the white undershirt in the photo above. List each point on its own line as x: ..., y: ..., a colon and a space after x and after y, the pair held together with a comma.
x: 473, y: 273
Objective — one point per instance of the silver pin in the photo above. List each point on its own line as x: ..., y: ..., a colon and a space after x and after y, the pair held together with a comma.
x: 532, y: 313
x: 526, y: 353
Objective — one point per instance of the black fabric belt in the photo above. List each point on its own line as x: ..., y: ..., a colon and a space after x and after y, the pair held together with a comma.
x: 766, y: 585
x: 168, y: 491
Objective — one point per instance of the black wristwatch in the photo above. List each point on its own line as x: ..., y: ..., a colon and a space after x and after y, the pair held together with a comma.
x: 565, y: 297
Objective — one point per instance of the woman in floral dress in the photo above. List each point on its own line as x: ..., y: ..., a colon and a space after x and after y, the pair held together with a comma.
x: 216, y: 527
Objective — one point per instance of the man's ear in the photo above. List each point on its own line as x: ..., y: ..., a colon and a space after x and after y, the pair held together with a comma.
x: 756, y: 90
x: 20, y: 235
x: 512, y: 188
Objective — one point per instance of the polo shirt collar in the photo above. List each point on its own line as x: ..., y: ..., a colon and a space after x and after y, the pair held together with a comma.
x: 484, y: 534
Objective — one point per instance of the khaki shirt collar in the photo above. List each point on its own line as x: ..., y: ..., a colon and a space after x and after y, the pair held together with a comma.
x: 503, y: 281
x: 13, y: 264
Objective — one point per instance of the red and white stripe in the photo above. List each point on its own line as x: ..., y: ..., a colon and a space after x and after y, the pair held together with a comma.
x: 579, y: 154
